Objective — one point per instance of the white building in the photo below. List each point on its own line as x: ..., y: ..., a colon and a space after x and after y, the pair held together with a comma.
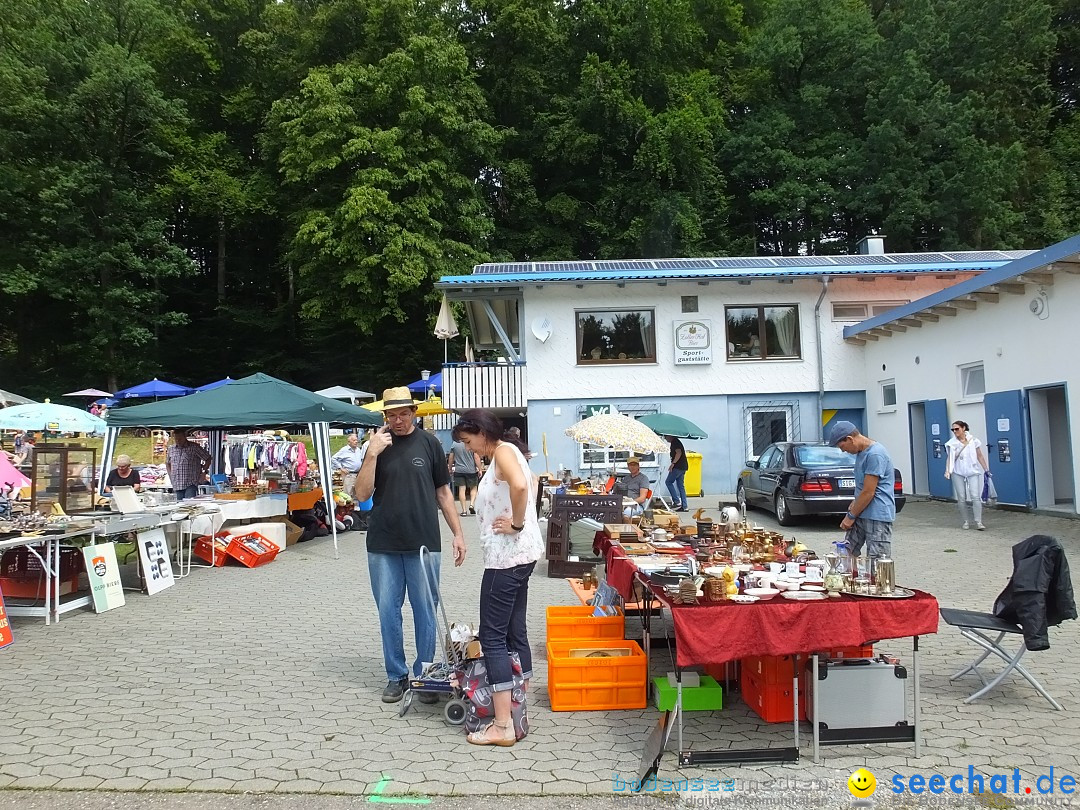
x: 1000, y: 351
x: 763, y: 355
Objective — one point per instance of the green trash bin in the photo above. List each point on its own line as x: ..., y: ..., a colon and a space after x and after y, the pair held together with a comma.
x: 693, y: 476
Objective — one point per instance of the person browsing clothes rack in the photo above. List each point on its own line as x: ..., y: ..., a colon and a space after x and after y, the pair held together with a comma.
x: 965, y: 465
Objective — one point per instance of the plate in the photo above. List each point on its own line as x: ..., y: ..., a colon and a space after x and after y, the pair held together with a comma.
x: 803, y: 596
x: 743, y: 599
x: 814, y: 588
x: 898, y: 593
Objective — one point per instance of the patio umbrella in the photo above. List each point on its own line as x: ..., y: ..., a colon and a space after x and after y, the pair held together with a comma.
x: 88, y: 392
x: 618, y: 432
x: 668, y: 424
x: 153, y: 388
x: 7, y: 398
x: 47, y: 416
x: 445, y: 326
x: 341, y: 392
x: 431, y: 407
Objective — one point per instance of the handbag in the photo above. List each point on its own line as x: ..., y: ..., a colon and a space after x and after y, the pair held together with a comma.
x: 479, y: 696
x: 989, y: 493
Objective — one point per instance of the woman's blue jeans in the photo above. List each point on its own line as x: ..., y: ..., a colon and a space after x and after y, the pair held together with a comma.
x: 677, y: 488
x: 504, y: 599
x: 392, y: 575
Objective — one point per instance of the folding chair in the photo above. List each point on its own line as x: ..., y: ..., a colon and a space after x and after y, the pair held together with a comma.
x: 1039, y: 594
x: 975, y: 627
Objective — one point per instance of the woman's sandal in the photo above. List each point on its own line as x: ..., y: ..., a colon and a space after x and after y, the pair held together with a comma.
x: 482, y: 737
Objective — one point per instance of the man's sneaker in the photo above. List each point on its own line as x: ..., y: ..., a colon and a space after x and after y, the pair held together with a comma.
x: 394, y: 690
x: 965, y: 526
x: 427, y: 697
x: 980, y: 527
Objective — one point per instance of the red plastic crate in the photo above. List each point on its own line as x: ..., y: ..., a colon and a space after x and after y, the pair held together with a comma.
x: 252, y: 550
x: 770, y: 669
x: 772, y: 702
x: 218, y: 555
x: 22, y: 575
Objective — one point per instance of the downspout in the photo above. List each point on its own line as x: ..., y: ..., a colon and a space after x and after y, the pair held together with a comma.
x: 820, y: 362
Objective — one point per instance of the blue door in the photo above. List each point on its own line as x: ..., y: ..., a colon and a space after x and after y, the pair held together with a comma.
x: 1008, y: 446
x: 937, y: 433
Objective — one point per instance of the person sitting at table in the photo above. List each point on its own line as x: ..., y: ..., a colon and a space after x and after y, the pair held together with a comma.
x: 637, y: 488
x: 123, y: 475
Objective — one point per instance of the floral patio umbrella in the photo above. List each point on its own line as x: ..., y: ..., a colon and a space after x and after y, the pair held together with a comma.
x: 618, y: 432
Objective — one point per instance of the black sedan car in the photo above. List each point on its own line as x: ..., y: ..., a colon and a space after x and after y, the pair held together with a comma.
x: 802, y: 478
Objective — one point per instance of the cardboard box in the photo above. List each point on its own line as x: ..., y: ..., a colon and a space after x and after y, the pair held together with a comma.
x: 292, y: 531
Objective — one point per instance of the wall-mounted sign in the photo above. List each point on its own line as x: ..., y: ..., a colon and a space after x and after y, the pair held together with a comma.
x: 693, y: 342
x: 104, y: 576
x: 5, y: 626
x: 597, y: 410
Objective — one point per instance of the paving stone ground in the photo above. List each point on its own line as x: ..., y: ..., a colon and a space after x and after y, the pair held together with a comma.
x: 268, y: 681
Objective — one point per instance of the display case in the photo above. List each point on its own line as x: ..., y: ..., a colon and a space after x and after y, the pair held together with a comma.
x: 63, y: 474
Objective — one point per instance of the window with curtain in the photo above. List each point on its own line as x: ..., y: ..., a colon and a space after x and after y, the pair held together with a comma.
x: 763, y: 332
x: 615, y: 336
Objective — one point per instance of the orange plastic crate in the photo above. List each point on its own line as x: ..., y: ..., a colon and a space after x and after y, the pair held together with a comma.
x: 252, y: 550
x: 863, y: 651
x: 772, y: 702
x: 590, y: 684
x: 569, y: 622
x: 219, y: 555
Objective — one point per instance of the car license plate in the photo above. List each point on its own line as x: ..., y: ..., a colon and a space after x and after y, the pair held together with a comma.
x: 847, y: 483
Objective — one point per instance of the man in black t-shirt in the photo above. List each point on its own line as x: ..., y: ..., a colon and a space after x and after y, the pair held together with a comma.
x: 404, y: 471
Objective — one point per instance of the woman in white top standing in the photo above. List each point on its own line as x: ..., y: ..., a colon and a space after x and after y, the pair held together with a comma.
x: 512, y: 543
x: 965, y: 465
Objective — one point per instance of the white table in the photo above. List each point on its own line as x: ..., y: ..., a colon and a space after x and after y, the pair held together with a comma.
x: 53, y: 607
x: 263, y: 506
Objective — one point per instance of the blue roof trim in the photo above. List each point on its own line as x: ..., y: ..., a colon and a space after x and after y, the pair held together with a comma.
x: 706, y: 273
x: 1026, y: 264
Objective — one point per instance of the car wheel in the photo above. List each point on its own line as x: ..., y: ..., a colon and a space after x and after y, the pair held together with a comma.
x: 783, y: 513
x: 740, y: 497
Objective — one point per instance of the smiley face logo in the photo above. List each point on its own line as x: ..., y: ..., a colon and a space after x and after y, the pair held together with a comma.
x: 862, y: 784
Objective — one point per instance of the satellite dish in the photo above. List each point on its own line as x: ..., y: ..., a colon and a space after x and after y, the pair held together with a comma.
x: 541, y: 328
x: 1039, y: 306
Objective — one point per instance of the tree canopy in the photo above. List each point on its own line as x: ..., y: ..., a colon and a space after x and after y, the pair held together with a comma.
x: 195, y: 188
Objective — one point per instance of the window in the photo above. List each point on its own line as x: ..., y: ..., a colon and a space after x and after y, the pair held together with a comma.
x: 763, y: 332
x: 603, y: 459
x: 766, y: 426
x: 888, y: 395
x: 615, y: 336
x: 861, y: 310
x: 972, y: 381
x: 689, y: 303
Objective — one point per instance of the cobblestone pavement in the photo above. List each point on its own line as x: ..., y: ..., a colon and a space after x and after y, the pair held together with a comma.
x: 269, y: 680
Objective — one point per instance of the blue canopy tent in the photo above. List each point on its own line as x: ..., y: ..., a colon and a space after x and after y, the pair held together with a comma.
x: 153, y: 388
x: 108, y: 402
x: 213, y: 385
x: 432, y: 385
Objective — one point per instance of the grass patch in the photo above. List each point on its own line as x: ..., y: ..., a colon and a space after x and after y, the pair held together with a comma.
x: 950, y: 551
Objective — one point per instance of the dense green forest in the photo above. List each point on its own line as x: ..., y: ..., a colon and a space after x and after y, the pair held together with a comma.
x: 195, y: 188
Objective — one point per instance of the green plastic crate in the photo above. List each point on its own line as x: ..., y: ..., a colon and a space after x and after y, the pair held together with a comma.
x: 707, y: 697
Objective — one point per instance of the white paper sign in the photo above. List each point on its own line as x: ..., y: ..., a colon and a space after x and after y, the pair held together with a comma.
x: 693, y: 342
x: 935, y: 429
x: 1003, y: 425
x: 156, y: 566
x: 104, y: 576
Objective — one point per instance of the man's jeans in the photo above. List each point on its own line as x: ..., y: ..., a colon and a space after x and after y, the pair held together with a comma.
x: 186, y: 492
x: 504, y: 602
x: 677, y: 488
x: 391, y: 576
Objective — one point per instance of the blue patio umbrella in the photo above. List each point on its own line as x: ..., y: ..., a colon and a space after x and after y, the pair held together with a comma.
x: 47, y: 416
x: 211, y: 386
x: 425, y: 387
x: 154, y: 388
x: 108, y: 402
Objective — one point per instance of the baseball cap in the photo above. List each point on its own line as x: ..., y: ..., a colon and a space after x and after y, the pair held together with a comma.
x: 839, y: 431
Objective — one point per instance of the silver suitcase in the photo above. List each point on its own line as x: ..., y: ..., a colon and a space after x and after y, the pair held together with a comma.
x: 858, y: 700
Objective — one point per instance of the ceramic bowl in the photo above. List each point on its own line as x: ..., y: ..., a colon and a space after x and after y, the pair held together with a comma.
x: 764, y: 594
x: 785, y: 585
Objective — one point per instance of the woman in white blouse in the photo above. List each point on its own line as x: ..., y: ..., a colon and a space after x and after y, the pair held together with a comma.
x: 965, y: 465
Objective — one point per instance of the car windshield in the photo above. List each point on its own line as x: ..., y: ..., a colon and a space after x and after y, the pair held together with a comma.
x: 823, y: 456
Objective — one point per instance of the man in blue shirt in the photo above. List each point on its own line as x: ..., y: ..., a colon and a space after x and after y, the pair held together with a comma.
x: 869, y: 519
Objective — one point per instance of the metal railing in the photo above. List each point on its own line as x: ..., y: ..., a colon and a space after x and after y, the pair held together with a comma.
x: 483, y: 385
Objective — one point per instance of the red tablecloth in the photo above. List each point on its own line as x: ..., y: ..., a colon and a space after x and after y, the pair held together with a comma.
x: 713, y: 633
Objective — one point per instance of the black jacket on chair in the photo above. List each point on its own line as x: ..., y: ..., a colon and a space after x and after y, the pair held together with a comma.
x: 1040, y: 593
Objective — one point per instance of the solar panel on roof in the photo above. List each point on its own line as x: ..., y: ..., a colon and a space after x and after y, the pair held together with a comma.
x: 978, y: 256
x: 683, y: 264
x: 861, y: 259
x: 560, y: 267
x: 626, y: 264
x: 802, y: 261
x: 739, y: 263
x: 918, y: 258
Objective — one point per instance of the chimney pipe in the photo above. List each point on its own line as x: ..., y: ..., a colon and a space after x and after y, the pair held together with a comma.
x: 872, y: 245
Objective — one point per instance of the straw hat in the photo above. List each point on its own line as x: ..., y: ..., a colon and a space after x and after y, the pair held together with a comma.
x: 634, y: 460
x: 400, y: 397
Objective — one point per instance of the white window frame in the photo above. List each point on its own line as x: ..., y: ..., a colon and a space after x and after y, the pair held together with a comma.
x: 885, y: 407
x: 614, y: 361
x: 963, y: 373
x: 870, y: 309
x: 788, y: 424
x: 605, y: 459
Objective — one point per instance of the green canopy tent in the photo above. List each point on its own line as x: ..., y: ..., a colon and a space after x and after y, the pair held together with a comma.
x: 258, y: 401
